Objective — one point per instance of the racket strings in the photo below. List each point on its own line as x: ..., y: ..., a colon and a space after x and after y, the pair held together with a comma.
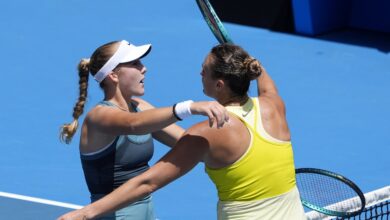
x: 330, y: 193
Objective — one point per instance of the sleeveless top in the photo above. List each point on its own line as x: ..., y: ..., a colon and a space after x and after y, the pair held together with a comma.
x: 126, y: 157
x: 265, y: 170
x: 261, y: 184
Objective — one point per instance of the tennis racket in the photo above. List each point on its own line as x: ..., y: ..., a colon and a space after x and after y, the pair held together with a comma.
x: 213, y: 21
x: 329, y: 193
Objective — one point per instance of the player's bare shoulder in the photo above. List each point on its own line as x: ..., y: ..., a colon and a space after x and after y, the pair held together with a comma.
x: 228, y: 130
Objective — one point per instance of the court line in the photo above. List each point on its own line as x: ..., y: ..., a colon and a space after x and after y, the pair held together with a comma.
x: 39, y: 200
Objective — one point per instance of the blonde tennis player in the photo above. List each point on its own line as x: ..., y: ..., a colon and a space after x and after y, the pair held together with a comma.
x: 250, y: 160
x: 116, y: 141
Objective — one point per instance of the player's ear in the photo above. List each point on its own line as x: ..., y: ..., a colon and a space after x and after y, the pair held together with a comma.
x: 113, y: 76
x: 220, y: 84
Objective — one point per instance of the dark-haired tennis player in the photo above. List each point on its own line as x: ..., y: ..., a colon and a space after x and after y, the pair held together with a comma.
x: 116, y: 136
x: 250, y: 159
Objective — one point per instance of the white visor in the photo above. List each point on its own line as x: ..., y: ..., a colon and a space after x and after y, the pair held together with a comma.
x: 126, y: 53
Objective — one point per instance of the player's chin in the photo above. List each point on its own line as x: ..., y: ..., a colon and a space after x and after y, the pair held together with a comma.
x: 140, y: 92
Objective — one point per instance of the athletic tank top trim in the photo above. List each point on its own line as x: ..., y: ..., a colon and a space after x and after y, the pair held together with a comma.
x: 260, y: 127
x: 250, y: 112
x: 87, y: 155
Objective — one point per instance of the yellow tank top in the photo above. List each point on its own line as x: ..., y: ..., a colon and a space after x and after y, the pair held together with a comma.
x: 264, y: 171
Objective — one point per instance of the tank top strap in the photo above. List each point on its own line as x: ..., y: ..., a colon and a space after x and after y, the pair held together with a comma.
x: 105, y: 103
x: 257, y: 116
x: 245, y: 113
x: 108, y: 103
x: 133, y: 106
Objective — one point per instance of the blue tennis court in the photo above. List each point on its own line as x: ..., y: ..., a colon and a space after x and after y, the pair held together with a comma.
x: 336, y: 89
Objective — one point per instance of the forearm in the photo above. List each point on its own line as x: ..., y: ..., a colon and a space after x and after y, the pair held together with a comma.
x: 116, y: 122
x: 158, y: 119
x: 129, y: 192
x: 150, y: 121
x: 171, y: 131
x: 136, y: 188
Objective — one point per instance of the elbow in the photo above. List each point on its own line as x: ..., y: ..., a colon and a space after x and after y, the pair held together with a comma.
x: 148, y: 187
x: 152, y: 189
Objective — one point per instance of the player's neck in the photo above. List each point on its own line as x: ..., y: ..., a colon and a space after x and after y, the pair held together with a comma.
x: 234, y: 100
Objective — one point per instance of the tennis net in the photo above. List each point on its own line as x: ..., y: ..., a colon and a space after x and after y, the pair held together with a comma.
x: 377, y: 207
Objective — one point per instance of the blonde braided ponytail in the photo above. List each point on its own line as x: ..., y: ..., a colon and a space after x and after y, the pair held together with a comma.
x: 68, y: 130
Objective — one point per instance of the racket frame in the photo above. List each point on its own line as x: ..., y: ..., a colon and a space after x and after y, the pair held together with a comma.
x: 339, y: 178
x: 221, y: 33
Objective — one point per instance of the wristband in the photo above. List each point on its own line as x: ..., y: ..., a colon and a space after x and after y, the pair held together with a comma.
x: 182, y: 110
x: 174, y: 112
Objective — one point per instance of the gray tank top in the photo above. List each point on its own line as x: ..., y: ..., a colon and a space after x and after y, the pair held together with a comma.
x: 125, y: 158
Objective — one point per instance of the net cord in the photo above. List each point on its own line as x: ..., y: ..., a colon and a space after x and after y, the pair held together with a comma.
x: 372, y: 198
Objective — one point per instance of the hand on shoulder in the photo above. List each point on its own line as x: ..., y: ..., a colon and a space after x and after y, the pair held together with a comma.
x: 212, y: 109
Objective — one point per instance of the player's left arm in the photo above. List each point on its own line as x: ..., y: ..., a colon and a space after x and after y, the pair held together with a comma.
x: 168, y: 135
